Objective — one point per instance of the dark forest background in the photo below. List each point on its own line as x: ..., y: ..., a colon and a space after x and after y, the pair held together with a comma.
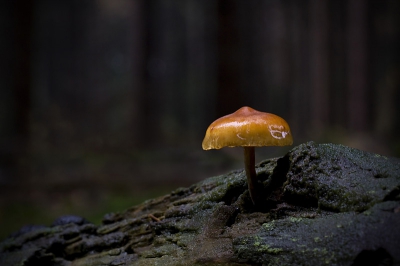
x: 105, y: 103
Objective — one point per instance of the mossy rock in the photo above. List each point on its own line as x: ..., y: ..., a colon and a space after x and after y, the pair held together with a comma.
x: 323, y: 204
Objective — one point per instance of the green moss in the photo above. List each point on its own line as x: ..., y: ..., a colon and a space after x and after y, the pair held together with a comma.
x: 367, y: 212
x: 295, y: 219
x: 269, y: 226
x: 270, y: 250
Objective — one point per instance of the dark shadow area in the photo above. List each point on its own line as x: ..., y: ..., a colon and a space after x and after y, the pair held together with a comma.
x: 374, y: 258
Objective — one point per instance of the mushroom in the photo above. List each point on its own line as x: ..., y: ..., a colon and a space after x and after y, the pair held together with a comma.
x: 248, y: 128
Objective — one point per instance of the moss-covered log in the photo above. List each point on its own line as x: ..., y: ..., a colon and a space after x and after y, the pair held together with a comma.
x: 322, y: 205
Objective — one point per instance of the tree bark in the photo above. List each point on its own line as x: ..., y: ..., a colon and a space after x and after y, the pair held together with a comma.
x: 327, y: 204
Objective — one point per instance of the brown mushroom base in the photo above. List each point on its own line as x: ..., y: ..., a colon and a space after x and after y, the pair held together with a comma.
x: 249, y: 165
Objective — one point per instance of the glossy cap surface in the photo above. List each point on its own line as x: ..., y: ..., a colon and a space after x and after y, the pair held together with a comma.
x: 247, y: 127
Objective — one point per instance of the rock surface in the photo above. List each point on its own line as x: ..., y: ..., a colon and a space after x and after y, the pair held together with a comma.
x: 324, y: 204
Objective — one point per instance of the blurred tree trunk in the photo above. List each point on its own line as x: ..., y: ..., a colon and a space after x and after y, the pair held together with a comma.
x: 300, y: 86
x: 337, y: 56
x: 278, y: 69
x: 357, y: 65
x: 228, y: 95
x: 201, y: 70
x: 319, y: 64
x: 299, y: 111
x: 23, y: 11
x: 386, y: 69
x: 7, y: 107
x: 147, y: 100
x: 137, y: 53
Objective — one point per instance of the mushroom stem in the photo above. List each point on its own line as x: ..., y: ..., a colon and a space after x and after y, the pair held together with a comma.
x: 249, y: 161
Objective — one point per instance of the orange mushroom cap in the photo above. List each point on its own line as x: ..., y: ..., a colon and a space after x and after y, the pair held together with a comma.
x: 247, y: 127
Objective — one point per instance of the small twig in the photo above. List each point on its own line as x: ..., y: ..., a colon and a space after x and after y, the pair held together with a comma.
x: 153, y: 217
